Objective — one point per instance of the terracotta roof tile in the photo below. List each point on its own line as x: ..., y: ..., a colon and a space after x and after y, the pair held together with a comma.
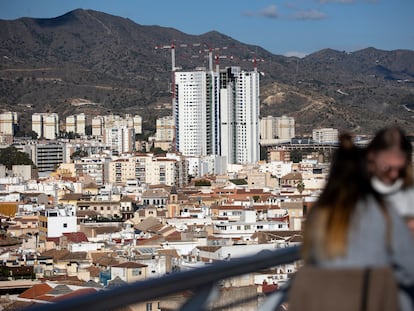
x: 76, y: 293
x: 36, y: 291
x: 76, y: 237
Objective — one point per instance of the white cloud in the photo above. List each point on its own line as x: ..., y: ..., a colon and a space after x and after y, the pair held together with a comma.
x: 270, y: 12
x: 309, y: 15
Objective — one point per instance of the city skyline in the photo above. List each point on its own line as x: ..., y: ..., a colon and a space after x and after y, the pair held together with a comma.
x: 288, y: 28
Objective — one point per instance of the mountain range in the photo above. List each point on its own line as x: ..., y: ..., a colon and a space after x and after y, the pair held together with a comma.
x: 96, y: 63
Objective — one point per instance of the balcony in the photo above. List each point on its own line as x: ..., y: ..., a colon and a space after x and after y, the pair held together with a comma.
x: 201, y: 285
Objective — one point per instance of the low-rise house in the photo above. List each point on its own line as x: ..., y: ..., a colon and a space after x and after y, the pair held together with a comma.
x: 129, y: 271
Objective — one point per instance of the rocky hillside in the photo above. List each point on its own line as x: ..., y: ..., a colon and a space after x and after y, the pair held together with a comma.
x: 92, y: 62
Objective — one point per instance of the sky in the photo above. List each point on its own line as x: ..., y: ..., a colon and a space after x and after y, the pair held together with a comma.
x: 283, y: 27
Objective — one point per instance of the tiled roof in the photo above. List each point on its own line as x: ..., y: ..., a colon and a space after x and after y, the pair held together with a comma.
x: 72, y: 196
x: 210, y: 249
x: 116, y: 282
x: 94, y: 272
x: 36, y: 291
x: 76, y: 293
x: 130, y: 265
x: 175, y: 236
x: 169, y: 252
x: 104, y: 260
x: 73, y: 256
x: 76, y: 237
x: 64, y: 279
x: 147, y: 223
x: 60, y: 290
x: 55, y: 253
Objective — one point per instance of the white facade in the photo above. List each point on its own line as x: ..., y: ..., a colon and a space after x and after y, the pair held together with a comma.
x: 137, y: 124
x: 8, y: 123
x: 165, y: 129
x: 146, y: 169
x: 60, y: 220
x: 247, y: 105
x: 81, y: 124
x: 191, y: 112
x: 46, y: 125
x: 268, y: 128
x: 285, y: 127
x: 217, y: 113
x: 92, y: 166
x: 97, y: 126
x: 37, y: 124
x: 325, y: 135
x: 120, y: 139
x: 70, y: 124
x: 227, y: 229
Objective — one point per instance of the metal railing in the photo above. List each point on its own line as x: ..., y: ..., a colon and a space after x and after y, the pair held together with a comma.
x: 201, y: 282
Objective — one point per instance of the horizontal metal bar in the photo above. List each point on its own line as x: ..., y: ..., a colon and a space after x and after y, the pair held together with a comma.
x: 148, y: 290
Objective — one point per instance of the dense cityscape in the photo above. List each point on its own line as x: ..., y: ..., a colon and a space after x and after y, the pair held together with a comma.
x: 99, y: 207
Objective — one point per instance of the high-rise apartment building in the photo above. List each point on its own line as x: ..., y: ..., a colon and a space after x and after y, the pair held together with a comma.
x: 285, y: 127
x: 268, y: 128
x: 8, y: 123
x: 97, y: 126
x: 120, y: 139
x: 165, y: 128
x: 149, y: 169
x: 217, y: 113
x: 76, y: 124
x: 46, y: 125
x: 325, y: 135
x: 277, y: 128
x: 193, y: 112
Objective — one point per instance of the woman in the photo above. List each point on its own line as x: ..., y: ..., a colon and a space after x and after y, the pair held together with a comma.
x: 350, y: 227
x: 390, y: 165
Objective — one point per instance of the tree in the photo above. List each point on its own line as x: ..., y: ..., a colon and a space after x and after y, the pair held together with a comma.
x: 296, y: 156
x: 300, y: 186
x: 11, y: 156
x: 79, y: 154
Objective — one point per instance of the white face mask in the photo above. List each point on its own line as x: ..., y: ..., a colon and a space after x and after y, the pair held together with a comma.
x: 382, y: 188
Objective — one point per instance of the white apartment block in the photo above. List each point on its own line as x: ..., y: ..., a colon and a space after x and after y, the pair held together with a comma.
x: 285, y: 127
x: 119, y: 139
x: 192, y: 105
x: 54, y: 222
x: 97, y: 126
x: 246, y: 106
x: 325, y: 135
x: 137, y: 124
x: 268, y: 128
x: 217, y: 113
x: 277, y: 128
x: 165, y: 128
x: 145, y: 169
x: 76, y: 124
x: 94, y: 166
x: 46, y: 125
x: 8, y: 123
x: 47, y: 156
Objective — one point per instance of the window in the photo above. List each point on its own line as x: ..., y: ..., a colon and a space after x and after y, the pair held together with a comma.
x: 149, y: 306
x: 65, y: 225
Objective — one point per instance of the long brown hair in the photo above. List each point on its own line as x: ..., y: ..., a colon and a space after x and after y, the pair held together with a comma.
x: 327, y: 223
x: 393, y: 137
